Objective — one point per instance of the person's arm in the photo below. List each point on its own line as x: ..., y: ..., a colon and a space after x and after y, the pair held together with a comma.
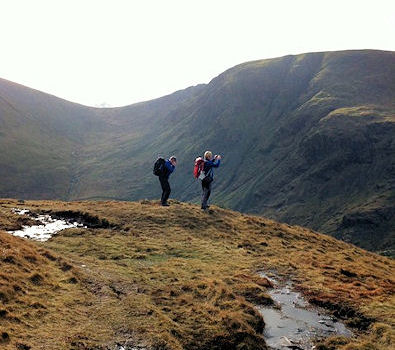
x: 216, y: 163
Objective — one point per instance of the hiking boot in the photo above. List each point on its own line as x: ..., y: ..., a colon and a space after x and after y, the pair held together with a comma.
x: 165, y: 205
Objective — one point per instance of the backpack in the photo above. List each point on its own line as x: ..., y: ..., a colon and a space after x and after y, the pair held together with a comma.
x: 159, y: 167
x: 198, y: 168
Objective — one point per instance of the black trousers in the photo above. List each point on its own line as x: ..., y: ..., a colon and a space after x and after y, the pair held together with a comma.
x: 206, y: 187
x: 164, y: 182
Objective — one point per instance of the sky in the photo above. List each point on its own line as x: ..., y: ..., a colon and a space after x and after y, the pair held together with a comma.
x: 119, y: 52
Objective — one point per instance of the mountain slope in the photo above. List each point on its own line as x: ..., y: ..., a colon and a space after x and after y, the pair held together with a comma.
x: 156, y: 277
x: 306, y: 139
x: 40, y: 136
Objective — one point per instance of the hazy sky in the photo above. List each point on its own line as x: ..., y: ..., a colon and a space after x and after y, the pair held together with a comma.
x: 126, y: 51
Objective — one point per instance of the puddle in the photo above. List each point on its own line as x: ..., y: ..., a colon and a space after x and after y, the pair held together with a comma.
x: 294, y: 323
x: 45, y: 229
x: 121, y: 347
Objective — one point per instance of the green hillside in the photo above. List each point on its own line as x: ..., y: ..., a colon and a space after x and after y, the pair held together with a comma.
x: 306, y: 139
x: 40, y: 137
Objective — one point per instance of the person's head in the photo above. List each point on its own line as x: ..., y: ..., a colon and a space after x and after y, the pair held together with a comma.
x: 173, y: 160
x: 208, y: 155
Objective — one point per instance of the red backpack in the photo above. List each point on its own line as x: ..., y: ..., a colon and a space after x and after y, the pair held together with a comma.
x: 198, y: 168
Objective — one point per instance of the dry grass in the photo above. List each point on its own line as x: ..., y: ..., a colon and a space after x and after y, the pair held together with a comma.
x: 178, y: 278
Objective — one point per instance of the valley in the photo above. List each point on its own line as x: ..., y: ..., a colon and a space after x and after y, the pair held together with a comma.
x: 305, y: 139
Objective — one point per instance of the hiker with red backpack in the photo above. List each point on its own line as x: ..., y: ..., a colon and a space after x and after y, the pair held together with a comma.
x: 203, y: 170
x: 163, y: 168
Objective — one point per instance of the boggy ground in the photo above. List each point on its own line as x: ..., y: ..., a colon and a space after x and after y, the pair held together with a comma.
x: 177, y: 278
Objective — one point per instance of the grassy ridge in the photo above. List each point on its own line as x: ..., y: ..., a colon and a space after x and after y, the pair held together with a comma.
x: 178, y: 278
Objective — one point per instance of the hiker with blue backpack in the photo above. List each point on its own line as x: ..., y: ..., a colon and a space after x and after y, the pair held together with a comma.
x: 163, y: 168
x: 204, y: 171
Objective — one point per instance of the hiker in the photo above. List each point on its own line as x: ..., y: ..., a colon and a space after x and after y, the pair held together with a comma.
x: 163, y: 169
x: 208, y: 178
